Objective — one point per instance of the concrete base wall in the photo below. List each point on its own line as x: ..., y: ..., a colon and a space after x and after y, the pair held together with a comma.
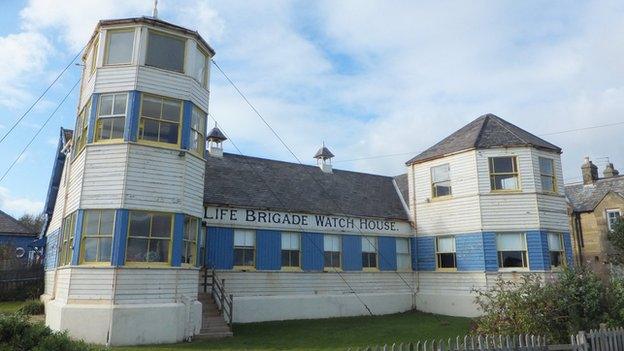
x: 448, y: 305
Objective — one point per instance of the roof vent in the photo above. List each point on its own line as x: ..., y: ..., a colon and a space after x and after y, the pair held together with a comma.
x: 323, y: 159
x: 610, y: 171
x: 590, y: 172
x: 215, y: 140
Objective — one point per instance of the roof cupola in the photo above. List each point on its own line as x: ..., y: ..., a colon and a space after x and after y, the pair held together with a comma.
x: 215, y: 140
x: 323, y: 159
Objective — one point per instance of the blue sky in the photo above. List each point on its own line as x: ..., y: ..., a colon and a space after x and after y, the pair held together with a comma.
x: 369, y: 77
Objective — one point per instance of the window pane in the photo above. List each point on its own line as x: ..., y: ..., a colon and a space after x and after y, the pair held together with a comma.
x: 166, y: 52
x: 120, y: 47
x: 440, y: 173
x: 442, y: 189
x: 139, y: 224
x: 554, y: 242
x: 239, y: 257
x: 171, y: 110
x: 105, y: 249
x: 120, y: 104
x: 502, y: 164
x: 402, y: 245
x: 106, y: 105
x: 403, y: 261
x: 106, y: 222
x: 446, y: 244
x: 158, y: 251
x: 331, y: 243
x: 546, y: 166
x: 243, y: 237
x: 199, y: 65
x: 151, y: 107
x: 168, y: 133
x: 556, y: 259
x: 505, y: 182
x: 511, y: 259
x: 510, y: 242
x: 547, y: 183
x: 161, y: 226
x: 150, y: 130
x: 369, y: 244
x: 137, y: 250
x: 91, y: 224
x: 90, y: 249
x: 118, y: 127
x: 446, y: 260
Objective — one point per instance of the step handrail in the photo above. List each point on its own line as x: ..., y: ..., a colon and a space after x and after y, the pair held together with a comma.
x: 224, y: 302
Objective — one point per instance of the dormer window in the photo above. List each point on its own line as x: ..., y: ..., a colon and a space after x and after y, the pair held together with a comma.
x: 441, y: 181
x: 165, y: 51
x: 119, y: 47
x: 504, y: 173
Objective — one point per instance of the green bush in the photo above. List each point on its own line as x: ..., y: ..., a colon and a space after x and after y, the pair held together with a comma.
x: 615, y: 298
x: 32, y: 307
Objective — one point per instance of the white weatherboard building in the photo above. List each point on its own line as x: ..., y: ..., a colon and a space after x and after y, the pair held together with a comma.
x: 139, y: 206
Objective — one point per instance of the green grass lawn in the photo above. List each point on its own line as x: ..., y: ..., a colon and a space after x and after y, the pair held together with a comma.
x: 7, y: 307
x: 329, y: 334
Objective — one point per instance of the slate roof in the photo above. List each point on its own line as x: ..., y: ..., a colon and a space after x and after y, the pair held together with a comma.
x: 584, y: 198
x: 10, y: 225
x: 216, y: 134
x: 487, y: 131
x: 251, y: 182
x: 323, y: 153
x: 402, y: 184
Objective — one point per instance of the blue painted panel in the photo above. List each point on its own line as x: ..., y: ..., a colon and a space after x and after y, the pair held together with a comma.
x: 220, y: 248
x: 268, y: 250
x: 51, y: 250
x: 178, y: 237
x: 15, y: 241
x: 414, y: 252
x: 118, y: 255
x: 426, y: 253
x: 312, y: 252
x: 537, y: 251
x: 351, y: 253
x: 567, y: 244
x: 131, y: 127
x: 387, y: 253
x: 92, y: 113
x: 186, y: 124
x: 490, y: 252
x: 77, y: 238
x: 469, y: 252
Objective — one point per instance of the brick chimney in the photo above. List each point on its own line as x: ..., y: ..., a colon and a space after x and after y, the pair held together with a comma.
x: 590, y: 172
x: 610, y: 171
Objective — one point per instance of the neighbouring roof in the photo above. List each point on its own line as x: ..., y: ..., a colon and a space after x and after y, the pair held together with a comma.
x: 402, y: 184
x: 585, y: 198
x: 10, y: 225
x: 57, y: 171
x: 487, y: 131
x: 251, y: 182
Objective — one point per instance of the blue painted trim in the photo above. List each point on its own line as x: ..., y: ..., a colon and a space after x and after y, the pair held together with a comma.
x: 387, y: 253
x: 75, y: 259
x: 268, y: 250
x: 567, y: 244
x: 131, y: 127
x: 490, y: 252
x: 426, y: 253
x: 118, y: 254
x: 414, y: 253
x: 312, y: 252
x: 469, y: 251
x: 177, y: 240
x: 186, y: 124
x: 95, y: 97
x: 535, y: 251
x: 351, y: 253
x: 220, y: 248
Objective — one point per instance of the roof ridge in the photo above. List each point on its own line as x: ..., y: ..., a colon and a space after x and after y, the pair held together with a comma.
x: 485, y: 121
x: 510, y: 131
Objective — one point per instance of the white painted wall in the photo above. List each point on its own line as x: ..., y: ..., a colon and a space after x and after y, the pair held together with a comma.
x: 104, y: 176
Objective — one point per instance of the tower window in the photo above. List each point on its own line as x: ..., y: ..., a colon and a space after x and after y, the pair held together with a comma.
x: 441, y: 180
x: 119, y: 47
x: 446, y: 253
x: 97, y: 235
x: 111, y: 116
x: 149, y: 237
x: 244, y: 248
x: 369, y: 252
x: 82, y: 125
x: 547, y: 174
x: 160, y: 119
x: 198, y: 131
x: 504, y: 173
x: 290, y: 249
x: 512, y: 251
x: 165, y: 51
x: 404, y: 262
x: 200, y: 66
x: 556, y: 248
x: 66, y: 242
x: 189, y: 246
x: 332, y: 250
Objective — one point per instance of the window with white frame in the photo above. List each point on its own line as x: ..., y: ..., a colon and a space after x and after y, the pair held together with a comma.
x: 160, y: 119
x: 244, y: 247
x: 201, y: 66
x: 97, y: 235
x: 80, y: 132
x: 556, y: 248
x: 612, y: 217
x: 404, y: 260
x: 332, y: 248
x: 441, y: 180
x: 446, y: 256
x: 119, y: 47
x: 504, y: 173
x: 547, y: 174
x: 291, y: 244
x: 198, y: 131
x: 111, y: 116
x: 165, y: 51
x: 369, y: 252
x: 149, y: 237
x: 512, y: 250
x: 189, y: 241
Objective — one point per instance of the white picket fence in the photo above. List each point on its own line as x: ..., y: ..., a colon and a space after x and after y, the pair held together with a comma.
x: 599, y: 340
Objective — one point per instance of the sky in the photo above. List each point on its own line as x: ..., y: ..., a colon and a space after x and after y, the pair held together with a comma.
x: 370, y: 78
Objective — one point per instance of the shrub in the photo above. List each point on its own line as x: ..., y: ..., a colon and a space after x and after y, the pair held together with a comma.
x: 32, y: 307
x: 615, y: 298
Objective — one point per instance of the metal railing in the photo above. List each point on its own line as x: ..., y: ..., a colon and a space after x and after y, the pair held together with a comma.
x: 216, y: 287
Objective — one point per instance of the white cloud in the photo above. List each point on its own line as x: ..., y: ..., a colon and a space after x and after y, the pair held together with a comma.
x: 18, y: 206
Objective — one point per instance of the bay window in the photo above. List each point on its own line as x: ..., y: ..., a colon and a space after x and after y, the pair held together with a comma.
x: 111, y: 116
x: 244, y: 248
x: 291, y: 245
x: 149, y: 237
x: 369, y: 252
x: 547, y: 174
x: 97, y: 235
x: 66, y: 242
x: 404, y: 261
x: 160, y: 119
x: 198, y: 131
x: 189, y: 241
x: 512, y: 250
x: 119, y: 47
x: 82, y: 125
x: 556, y: 248
x: 440, y: 181
x: 201, y: 66
x: 331, y: 250
x: 165, y: 51
x: 446, y: 256
x: 504, y: 173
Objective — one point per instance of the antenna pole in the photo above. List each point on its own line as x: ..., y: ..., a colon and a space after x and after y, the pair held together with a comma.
x: 155, y: 10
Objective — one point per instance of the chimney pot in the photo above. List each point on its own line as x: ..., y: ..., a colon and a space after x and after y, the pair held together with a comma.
x: 589, y: 171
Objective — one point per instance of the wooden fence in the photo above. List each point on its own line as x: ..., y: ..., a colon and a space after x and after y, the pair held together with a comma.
x: 21, y: 283
x: 594, y: 340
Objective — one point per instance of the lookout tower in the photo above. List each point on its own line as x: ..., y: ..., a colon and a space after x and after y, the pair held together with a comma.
x: 122, y: 240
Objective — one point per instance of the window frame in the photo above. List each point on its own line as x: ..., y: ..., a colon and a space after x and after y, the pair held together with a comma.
x: 107, y: 46
x: 493, y: 174
x: 290, y: 252
x: 84, y: 236
x: 200, y: 149
x: 149, y: 238
x: 189, y: 244
x: 434, y: 193
x: 253, y: 247
x: 325, y: 251
x: 206, y: 76
x: 98, y: 118
x: 440, y: 253
x: 373, y: 241
x: 562, y: 253
x: 141, y: 126
x: 524, y: 254
x: 407, y: 254
x: 81, y: 139
x: 94, y: 55
x: 610, y: 211
x: 552, y: 176
x: 66, y: 242
x: 170, y: 35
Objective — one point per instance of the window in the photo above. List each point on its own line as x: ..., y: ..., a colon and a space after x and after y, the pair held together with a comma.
x: 445, y: 252
x: 503, y: 173
x: 547, y: 174
x: 369, y: 252
x: 511, y: 250
x: 198, y: 131
x: 80, y: 136
x: 149, y: 237
x: 290, y: 249
x: 556, y: 248
x: 111, y: 116
x: 160, y: 119
x: 201, y: 65
x: 244, y: 248
x: 165, y: 51
x: 97, y: 235
x: 189, y: 243
x: 441, y: 180
x: 94, y: 54
x: 332, y: 245
x: 119, y: 46
x: 67, y: 240
x: 404, y: 262
x: 612, y: 217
